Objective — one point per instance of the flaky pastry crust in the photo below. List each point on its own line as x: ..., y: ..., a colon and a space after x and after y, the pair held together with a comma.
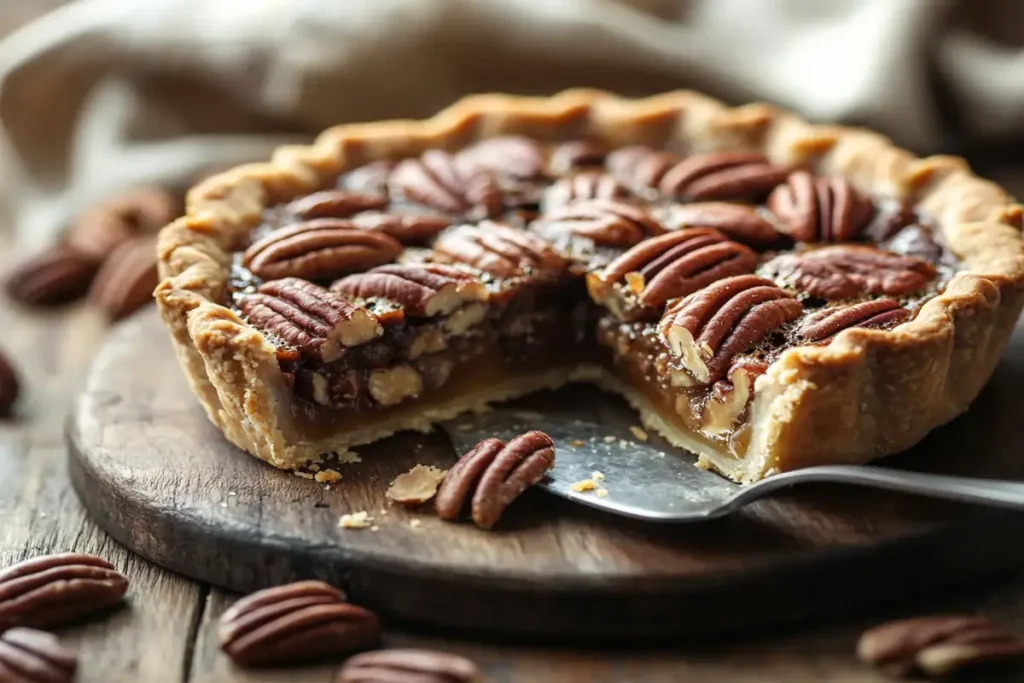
x: 866, y: 394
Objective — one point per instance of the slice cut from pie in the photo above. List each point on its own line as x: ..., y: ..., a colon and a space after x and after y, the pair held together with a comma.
x: 767, y: 293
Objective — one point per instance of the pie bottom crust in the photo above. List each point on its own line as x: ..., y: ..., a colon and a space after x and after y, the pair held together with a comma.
x: 866, y: 394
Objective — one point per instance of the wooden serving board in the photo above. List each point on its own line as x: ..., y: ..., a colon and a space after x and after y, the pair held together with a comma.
x: 160, y: 479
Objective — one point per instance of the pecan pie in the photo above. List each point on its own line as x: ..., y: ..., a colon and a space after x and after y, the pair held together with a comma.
x: 767, y: 293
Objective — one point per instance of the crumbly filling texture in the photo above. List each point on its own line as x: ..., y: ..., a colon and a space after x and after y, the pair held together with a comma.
x: 685, y: 275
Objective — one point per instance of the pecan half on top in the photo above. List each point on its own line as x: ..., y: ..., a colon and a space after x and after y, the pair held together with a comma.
x: 317, y: 322
x: 667, y: 267
x: 639, y: 167
x: 335, y: 204
x: 822, y: 209
x: 605, y: 223
x: 423, y: 290
x: 722, y: 175
x: 820, y: 327
x: 409, y: 666
x: 448, y: 183
x: 576, y: 154
x: 851, y: 271
x: 739, y: 222
x: 319, y: 249
x: 406, y: 228
x: 583, y: 186
x: 501, y: 250
x: 30, y: 656
x: 492, y: 475
x: 710, y: 327
x: 512, y: 156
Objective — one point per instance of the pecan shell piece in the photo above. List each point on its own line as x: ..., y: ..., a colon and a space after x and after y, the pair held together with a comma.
x: 335, y: 204
x: 492, y: 475
x: 722, y: 175
x: 406, y: 228
x: 58, y: 589
x: 582, y: 187
x: 411, y: 665
x: 423, y: 290
x: 604, y: 222
x: 500, y: 250
x: 849, y: 271
x: 739, y: 222
x: 295, y: 623
x: 710, y: 327
x: 511, y: 156
x: 822, y: 326
x: 30, y: 656
x: 319, y: 249
x: 670, y: 266
x: 821, y: 209
x: 317, y: 322
x: 451, y: 184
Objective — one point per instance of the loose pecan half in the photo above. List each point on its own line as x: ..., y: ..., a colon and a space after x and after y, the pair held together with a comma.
x: 821, y: 209
x: 105, y: 226
x: 739, y: 222
x: 9, y: 385
x: 127, y: 278
x: 822, y: 326
x: 607, y: 223
x: 722, y: 175
x: 500, y: 250
x: 423, y: 290
x: 406, y: 228
x: 938, y: 645
x: 848, y: 271
x: 512, y: 156
x: 492, y: 475
x: 317, y: 322
x: 670, y: 266
x: 56, y: 276
x: 583, y: 186
x: 335, y: 204
x: 296, y: 623
x: 320, y: 249
x: 451, y: 184
x: 57, y: 589
x: 30, y: 656
x: 569, y: 156
x: 708, y: 328
x: 411, y: 665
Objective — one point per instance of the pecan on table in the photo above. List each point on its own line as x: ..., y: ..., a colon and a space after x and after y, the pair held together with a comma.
x: 821, y: 209
x: 411, y: 665
x: 143, y: 211
x: 739, y: 222
x: 500, y: 250
x: 319, y: 249
x: 296, y: 623
x: 335, y: 204
x: 30, y: 656
x: 583, y: 186
x: 708, y: 328
x: 604, y: 222
x: 451, y: 184
x: 422, y: 290
x: 406, y: 228
x: 317, y: 322
x: 822, y: 326
x: 9, y: 385
x: 512, y: 156
x: 56, y: 276
x: 492, y: 475
x: 938, y: 645
x: 57, y: 589
x: 849, y: 271
x: 670, y: 266
x: 127, y: 278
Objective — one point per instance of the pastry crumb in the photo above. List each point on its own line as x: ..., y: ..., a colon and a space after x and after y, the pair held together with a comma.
x: 639, y: 433
x: 303, y: 475
x: 577, y: 443
x: 348, y: 457
x: 585, y: 485
x: 374, y: 528
x: 313, y: 467
x: 414, y: 523
x: 356, y: 520
x: 416, y: 486
x: 601, y: 493
x: 623, y: 443
x: 609, y: 439
x: 597, y: 476
x: 328, y: 476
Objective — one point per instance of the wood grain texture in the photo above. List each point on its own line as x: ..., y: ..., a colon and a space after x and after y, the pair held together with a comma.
x: 163, y: 481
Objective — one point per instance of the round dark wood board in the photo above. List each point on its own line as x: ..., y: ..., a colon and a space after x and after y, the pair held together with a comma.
x: 156, y: 475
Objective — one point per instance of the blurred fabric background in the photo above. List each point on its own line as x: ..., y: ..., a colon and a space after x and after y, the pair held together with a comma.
x: 103, y: 94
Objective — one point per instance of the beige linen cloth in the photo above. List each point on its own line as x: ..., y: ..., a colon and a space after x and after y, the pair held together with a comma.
x: 102, y: 94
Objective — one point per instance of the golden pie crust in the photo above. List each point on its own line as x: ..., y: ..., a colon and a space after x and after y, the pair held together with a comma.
x: 865, y: 394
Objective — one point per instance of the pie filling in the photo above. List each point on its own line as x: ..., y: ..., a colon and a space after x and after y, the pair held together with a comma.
x: 414, y: 282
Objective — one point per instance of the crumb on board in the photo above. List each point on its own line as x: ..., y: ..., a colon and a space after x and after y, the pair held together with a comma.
x: 356, y: 520
x: 348, y: 457
x: 328, y: 476
x: 584, y: 485
x: 609, y: 439
x: 416, y: 486
x: 598, y: 477
x: 602, y: 492
x: 313, y: 467
x: 303, y: 475
x: 639, y: 433
x: 384, y: 512
x: 577, y: 443
x: 374, y: 528
x: 414, y: 523
x: 623, y: 443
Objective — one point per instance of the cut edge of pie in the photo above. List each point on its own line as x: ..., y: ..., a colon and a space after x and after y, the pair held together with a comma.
x: 865, y: 394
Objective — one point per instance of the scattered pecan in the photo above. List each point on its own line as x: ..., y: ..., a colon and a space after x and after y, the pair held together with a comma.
x: 492, y: 475
x: 412, y: 665
x: 500, y: 250
x: 822, y: 326
x: 451, y: 184
x: 369, y: 179
x: 569, y: 156
x: 57, y: 589
x: 320, y: 249
x: 583, y: 186
x: 672, y: 265
x: 9, y: 385
x: 335, y: 204
x: 722, y: 175
x: 848, y: 271
x: 639, y: 167
x: 512, y: 156
x: 127, y: 278
x: 30, y: 656
x: 296, y: 623
x: 821, y: 209
x: 423, y: 290
x: 406, y: 228
x: 57, y: 276
x: 739, y: 222
x: 938, y: 645
x: 416, y: 486
x: 607, y: 223
x: 104, y: 227
x: 708, y: 328
x: 312, y: 319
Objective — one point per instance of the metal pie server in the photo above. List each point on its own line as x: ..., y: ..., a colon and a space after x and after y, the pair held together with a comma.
x: 649, y: 481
